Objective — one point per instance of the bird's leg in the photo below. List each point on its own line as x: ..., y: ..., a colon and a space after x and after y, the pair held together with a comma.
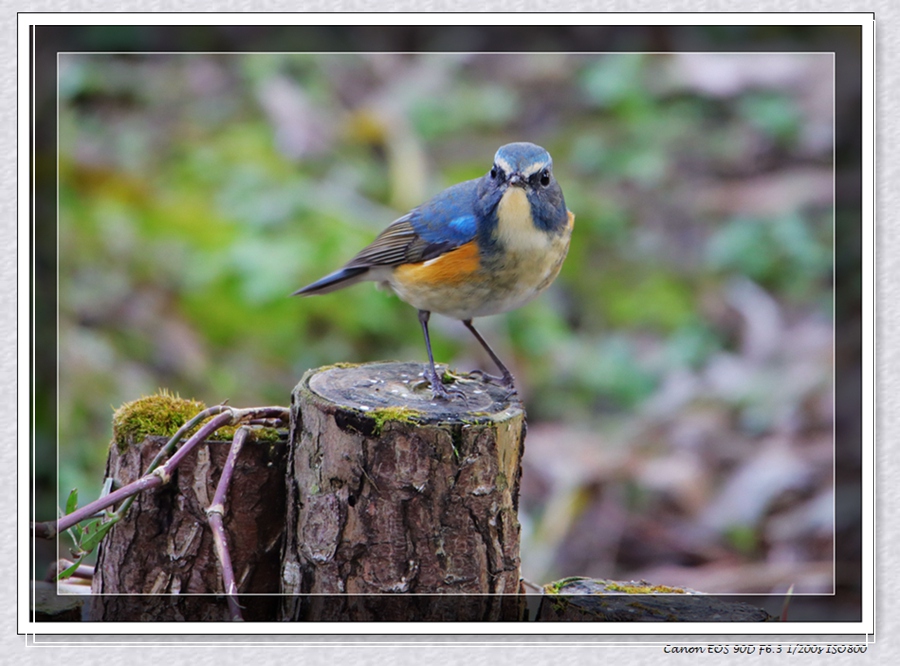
x: 507, y: 380
x: 437, y: 386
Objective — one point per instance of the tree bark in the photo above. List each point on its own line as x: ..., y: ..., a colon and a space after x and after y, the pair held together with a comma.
x: 392, y: 492
x: 163, y: 548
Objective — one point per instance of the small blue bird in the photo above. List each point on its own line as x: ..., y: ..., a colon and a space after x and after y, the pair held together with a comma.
x: 478, y: 248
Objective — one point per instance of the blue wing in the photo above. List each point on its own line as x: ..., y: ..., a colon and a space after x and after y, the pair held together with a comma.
x: 437, y: 226
x: 450, y: 216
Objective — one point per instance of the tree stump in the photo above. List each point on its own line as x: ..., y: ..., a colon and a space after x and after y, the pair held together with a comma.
x: 159, y: 564
x: 392, y: 492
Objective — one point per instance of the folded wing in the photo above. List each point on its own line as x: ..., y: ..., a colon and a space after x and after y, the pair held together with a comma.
x: 442, y: 225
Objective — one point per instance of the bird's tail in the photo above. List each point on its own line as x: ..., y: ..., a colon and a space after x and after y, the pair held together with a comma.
x: 337, y: 280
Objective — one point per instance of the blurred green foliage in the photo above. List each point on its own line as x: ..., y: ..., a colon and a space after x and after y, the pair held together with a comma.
x: 198, y: 191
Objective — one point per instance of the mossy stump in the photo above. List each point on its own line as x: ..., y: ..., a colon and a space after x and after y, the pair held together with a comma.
x: 401, y: 507
x: 159, y: 563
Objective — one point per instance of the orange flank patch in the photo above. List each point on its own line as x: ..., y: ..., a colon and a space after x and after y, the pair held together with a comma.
x: 451, y: 268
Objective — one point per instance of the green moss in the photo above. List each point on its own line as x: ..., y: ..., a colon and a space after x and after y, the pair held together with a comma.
x: 161, y: 414
x: 556, y: 586
x: 257, y: 434
x: 643, y: 589
x: 385, y: 414
x: 339, y: 364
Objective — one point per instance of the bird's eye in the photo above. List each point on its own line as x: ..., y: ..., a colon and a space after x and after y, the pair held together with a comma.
x: 493, y: 172
x: 545, y: 177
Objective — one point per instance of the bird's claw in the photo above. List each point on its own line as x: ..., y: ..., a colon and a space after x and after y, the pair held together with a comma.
x: 505, y: 381
x: 440, y: 391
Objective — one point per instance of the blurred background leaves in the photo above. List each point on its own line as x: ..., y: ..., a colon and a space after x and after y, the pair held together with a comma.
x: 677, y: 376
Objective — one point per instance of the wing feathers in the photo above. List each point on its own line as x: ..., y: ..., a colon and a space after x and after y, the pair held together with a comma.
x: 399, y: 244
x: 390, y: 248
x: 440, y: 226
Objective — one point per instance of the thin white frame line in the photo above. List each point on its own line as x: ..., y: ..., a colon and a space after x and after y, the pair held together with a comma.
x: 833, y: 591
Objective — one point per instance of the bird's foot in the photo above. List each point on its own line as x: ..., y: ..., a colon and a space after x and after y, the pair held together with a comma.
x: 441, y: 391
x: 447, y: 393
x: 506, y: 381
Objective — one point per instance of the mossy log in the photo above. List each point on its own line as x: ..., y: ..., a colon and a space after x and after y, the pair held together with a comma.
x: 597, y: 600
x: 393, y: 492
x: 163, y: 549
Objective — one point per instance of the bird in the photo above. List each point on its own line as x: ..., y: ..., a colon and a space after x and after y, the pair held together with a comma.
x: 481, y: 247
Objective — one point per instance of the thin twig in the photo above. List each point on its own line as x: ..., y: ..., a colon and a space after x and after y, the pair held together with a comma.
x: 216, y: 522
x: 45, y: 530
x: 182, y: 431
x: 533, y: 586
x: 156, y: 476
x: 201, y: 435
x: 152, y: 480
x: 787, y: 603
x: 87, y: 511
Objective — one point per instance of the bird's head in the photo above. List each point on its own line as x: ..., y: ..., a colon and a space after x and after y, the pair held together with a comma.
x: 523, y: 165
x: 525, y: 169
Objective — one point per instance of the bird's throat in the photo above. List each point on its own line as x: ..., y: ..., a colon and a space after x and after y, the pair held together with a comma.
x: 515, y: 226
x: 514, y: 209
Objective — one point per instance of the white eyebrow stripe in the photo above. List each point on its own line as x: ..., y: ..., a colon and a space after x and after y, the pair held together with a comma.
x: 504, y: 165
x: 534, y: 168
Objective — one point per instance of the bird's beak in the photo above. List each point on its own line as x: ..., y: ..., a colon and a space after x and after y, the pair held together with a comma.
x: 517, y: 179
